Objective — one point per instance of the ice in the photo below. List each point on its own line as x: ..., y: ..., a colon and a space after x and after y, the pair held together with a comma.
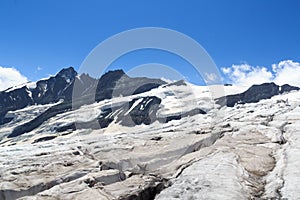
x: 29, y: 85
x: 249, y: 151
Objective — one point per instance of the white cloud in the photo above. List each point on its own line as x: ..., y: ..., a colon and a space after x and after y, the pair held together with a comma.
x: 10, y: 77
x: 285, y: 72
x: 245, y: 74
x: 211, y: 77
x: 226, y: 70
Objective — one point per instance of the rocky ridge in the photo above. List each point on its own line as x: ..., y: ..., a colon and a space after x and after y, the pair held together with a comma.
x: 70, y: 87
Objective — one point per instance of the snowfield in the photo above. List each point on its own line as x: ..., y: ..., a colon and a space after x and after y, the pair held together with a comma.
x: 249, y: 151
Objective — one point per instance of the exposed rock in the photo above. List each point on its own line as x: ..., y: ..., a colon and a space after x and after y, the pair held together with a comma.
x: 67, y: 85
x: 157, y: 138
x: 13, y: 100
x: 44, y: 139
x: 144, y: 112
x: 55, y: 88
x: 117, y: 83
x: 255, y: 93
x: 36, y: 122
x: 288, y: 88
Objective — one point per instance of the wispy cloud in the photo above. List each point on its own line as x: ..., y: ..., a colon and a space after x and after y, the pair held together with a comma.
x: 10, y: 77
x: 285, y: 72
x: 210, y: 77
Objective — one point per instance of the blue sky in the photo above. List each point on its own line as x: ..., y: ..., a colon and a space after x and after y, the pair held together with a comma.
x: 39, y: 37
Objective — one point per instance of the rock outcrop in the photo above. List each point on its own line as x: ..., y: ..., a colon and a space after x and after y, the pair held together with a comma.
x: 68, y: 86
x: 256, y: 93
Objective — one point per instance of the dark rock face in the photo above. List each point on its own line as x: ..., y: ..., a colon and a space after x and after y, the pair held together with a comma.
x: 5, y: 120
x: 193, y: 112
x: 107, y: 84
x: 47, y: 91
x: 146, y: 87
x: 258, y: 92
x: 138, y: 111
x: 143, y: 113
x: 117, y: 83
x: 141, y: 110
x: 55, y: 88
x: 68, y: 86
x: 36, y: 122
x: 255, y: 93
x: 287, y: 88
x: 13, y: 100
x: 44, y: 139
x: 61, y: 86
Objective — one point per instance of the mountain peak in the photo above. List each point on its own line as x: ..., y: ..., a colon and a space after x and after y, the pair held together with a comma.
x: 61, y: 86
x: 67, y: 73
x: 114, y: 75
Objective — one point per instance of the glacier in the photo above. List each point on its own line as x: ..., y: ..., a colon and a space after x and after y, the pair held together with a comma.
x: 247, y: 151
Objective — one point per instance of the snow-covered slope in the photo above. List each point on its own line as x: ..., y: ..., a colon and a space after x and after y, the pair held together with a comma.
x: 257, y: 159
x: 173, y: 101
x: 171, y: 142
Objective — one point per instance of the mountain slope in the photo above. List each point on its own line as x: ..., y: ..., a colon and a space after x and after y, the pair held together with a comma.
x: 138, y: 138
x: 67, y: 85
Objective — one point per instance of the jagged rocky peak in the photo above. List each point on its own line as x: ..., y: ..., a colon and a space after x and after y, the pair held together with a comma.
x: 85, y: 76
x: 68, y: 74
x: 113, y: 75
x: 62, y: 84
x: 67, y: 85
x: 118, y: 83
x: 55, y: 88
x: 46, y: 91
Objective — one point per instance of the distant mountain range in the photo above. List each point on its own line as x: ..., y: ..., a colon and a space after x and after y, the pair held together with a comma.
x: 74, y: 90
x: 67, y: 85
